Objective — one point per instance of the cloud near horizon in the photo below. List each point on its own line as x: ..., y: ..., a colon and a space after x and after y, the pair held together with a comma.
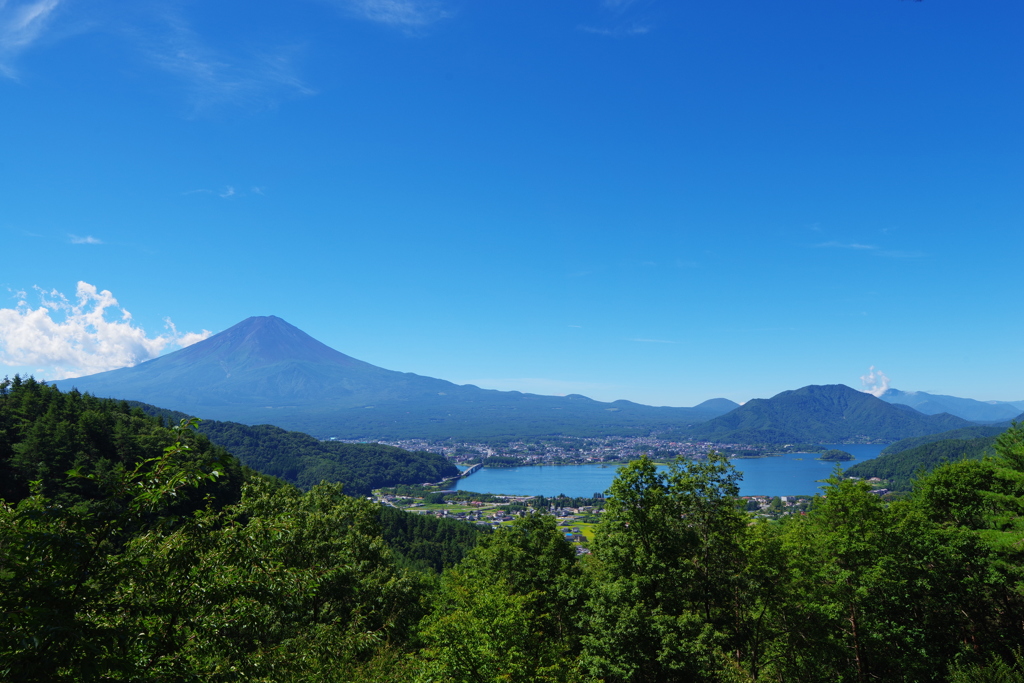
x: 875, y: 382
x: 63, y: 338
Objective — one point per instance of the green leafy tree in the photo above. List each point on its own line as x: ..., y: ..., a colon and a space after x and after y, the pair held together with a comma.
x: 509, y: 611
x: 59, y: 565
x: 666, y: 571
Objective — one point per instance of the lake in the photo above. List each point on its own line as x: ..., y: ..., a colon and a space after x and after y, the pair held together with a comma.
x: 792, y: 474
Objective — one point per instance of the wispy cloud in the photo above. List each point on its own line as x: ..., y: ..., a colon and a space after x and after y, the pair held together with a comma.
x: 626, y: 31
x: 227, y: 192
x: 878, y: 251
x: 213, y: 77
x: 89, y: 239
x: 399, y: 13
x: 619, y: 19
x: 64, y: 338
x: 21, y: 25
x: 843, y: 245
x: 211, y: 73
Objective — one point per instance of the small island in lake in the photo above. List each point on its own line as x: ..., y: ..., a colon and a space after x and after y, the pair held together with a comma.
x: 836, y: 455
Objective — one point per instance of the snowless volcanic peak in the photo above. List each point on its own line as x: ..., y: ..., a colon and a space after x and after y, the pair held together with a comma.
x: 264, y: 340
x: 265, y: 371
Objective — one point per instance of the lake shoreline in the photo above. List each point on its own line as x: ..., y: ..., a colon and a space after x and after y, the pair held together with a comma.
x: 783, y: 474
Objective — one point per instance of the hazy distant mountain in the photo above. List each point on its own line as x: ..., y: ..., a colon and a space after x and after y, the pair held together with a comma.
x: 832, y: 413
x: 265, y: 371
x: 967, y: 408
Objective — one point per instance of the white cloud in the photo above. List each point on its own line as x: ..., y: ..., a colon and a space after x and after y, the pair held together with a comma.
x: 875, y: 382
x: 64, y: 338
x: 89, y: 239
x: 21, y: 24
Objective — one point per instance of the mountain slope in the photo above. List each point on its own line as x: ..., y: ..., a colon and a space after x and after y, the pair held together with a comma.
x: 900, y: 468
x: 961, y: 434
x: 265, y: 371
x: 821, y: 414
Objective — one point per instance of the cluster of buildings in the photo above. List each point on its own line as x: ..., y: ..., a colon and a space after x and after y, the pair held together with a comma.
x: 568, y: 450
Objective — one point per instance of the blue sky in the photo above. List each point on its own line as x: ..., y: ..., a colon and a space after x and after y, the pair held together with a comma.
x: 661, y: 201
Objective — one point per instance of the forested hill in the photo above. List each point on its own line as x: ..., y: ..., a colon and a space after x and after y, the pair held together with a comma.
x: 152, y: 564
x: 821, y: 414
x: 962, y: 434
x: 901, y: 468
x: 680, y: 584
x: 300, y: 459
x: 46, y: 433
x: 304, y: 461
x: 901, y: 462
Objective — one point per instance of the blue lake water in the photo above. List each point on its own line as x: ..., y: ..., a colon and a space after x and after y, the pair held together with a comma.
x: 793, y: 474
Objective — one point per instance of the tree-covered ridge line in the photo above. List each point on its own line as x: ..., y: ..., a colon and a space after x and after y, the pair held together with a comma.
x: 304, y: 461
x: 900, y: 463
x: 277, y: 584
x: 300, y: 459
x: 45, y: 433
x: 962, y: 434
x: 902, y: 468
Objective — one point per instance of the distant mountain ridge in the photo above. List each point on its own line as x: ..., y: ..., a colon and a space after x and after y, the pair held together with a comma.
x: 967, y: 408
x: 832, y: 413
x: 266, y: 371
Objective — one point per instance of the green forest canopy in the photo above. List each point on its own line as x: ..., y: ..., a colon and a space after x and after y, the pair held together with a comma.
x: 122, y: 571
